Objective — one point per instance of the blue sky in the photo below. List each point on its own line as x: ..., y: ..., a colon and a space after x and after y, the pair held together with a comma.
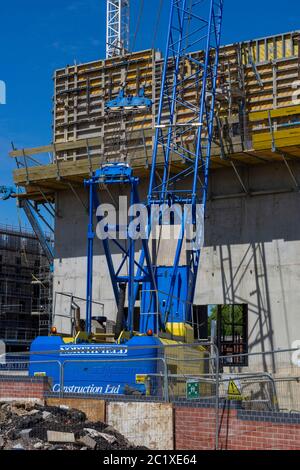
x: 36, y: 37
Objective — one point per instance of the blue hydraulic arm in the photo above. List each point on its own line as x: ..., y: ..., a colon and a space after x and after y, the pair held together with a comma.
x: 6, y: 192
x: 25, y: 205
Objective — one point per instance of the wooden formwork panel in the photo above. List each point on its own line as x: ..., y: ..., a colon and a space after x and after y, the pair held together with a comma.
x: 82, y: 90
x: 258, y: 117
x: 93, y: 408
x: 80, y: 96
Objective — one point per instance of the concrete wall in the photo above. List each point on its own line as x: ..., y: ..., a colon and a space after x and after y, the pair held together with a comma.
x: 70, y: 266
x: 251, y: 254
x: 143, y: 424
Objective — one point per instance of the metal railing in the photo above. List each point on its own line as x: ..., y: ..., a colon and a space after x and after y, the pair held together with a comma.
x: 280, y: 366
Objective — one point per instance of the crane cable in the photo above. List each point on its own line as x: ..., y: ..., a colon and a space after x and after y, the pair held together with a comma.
x: 149, y: 66
x: 138, y: 23
x: 117, y: 139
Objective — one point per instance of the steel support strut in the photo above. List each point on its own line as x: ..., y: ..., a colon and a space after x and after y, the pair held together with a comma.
x: 116, y: 174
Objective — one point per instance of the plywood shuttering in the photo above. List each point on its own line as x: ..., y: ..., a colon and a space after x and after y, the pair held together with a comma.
x: 82, y: 90
x: 80, y: 95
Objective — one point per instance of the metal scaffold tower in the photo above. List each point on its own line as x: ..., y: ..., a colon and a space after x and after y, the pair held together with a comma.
x: 117, y: 21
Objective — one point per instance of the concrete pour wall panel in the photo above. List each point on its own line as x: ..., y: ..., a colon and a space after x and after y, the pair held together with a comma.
x: 143, y: 424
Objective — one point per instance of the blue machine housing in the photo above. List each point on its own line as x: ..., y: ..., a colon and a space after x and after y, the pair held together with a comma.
x: 114, y: 172
x: 177, y: 307
x: 76, y: 367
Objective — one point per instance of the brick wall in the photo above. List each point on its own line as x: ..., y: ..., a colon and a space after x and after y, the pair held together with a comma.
x: 238, y: 429
x: 23, y: 388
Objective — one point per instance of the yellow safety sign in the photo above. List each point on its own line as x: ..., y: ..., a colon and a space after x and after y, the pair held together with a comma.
x: 233, y: 390
x: 141, y: 378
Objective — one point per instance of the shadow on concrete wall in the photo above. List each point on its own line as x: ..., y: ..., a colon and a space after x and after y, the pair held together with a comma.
x: 253, y: 262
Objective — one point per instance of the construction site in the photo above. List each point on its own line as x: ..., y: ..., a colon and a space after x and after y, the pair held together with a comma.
x: 25, y: 290
x: 164, y: 340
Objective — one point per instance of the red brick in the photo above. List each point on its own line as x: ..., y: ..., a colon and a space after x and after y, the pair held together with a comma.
x: 195, y: 429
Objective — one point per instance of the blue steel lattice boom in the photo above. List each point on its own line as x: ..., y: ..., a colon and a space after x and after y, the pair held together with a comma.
x: 193, y: 25
x: 32, y: 214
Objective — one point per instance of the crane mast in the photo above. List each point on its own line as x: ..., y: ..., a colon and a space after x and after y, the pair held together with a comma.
x: 117, y: 27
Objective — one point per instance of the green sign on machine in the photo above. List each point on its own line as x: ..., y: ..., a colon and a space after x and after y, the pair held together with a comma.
x: 192, y: 389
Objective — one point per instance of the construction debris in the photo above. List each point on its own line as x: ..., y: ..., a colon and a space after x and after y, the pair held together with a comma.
x: 88, y: 442
x: 25, y: 434
x: 25, y: 426
x: 55, y: 436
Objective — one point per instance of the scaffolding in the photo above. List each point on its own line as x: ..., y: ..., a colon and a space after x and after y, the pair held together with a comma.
x: 25, y: 288
x: 257, y: 118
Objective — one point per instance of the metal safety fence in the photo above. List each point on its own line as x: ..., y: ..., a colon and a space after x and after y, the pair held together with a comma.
x: 159, y: 372
x: 281, y: 368
x: 167, y: 372
x: 130, y: 379
x: 134, y: 383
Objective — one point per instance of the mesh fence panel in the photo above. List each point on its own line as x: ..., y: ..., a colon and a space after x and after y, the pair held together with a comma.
x: 171, y: 374
x: 280, y: 368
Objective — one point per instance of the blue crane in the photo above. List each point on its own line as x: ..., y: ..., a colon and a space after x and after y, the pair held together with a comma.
x: 179, y: 178
x: 192, y: 26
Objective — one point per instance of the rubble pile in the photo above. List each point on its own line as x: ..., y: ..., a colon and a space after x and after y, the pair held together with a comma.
x: 25, y: 426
